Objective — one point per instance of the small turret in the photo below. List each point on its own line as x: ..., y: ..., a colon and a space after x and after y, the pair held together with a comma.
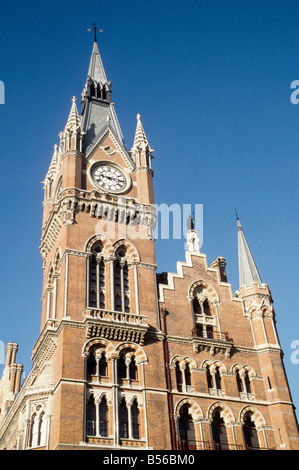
x: 256, y: 295
x: 141, y: 154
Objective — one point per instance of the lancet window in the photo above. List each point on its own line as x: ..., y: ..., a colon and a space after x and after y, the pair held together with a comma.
x: 219, y: 434
x: 38, y: 430
x: 127, y: 368
x: 97, y: 277
x: 121, y: 282
x: 129, y: 420
x: 250, y: 433
x: 183, y: 376
x: 186, y: 429
x: 97, y: 416
x: 96, y: 363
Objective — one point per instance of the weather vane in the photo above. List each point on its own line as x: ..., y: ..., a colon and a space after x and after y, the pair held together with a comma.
x: 95, y: 29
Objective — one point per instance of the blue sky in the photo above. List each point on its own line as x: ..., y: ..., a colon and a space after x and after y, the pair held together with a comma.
x: 212, y: 83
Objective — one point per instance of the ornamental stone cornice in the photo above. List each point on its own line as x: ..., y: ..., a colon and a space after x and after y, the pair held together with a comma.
x: 98, y: 205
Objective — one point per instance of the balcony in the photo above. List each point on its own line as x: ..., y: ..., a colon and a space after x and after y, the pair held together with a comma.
x: 209, y: 339
x: 119, y: 326
x: 211, y: 334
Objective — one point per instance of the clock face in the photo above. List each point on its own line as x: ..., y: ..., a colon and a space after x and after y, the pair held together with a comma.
x: 109, y: 178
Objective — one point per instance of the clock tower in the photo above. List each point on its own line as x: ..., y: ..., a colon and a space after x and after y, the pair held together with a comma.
x: 98, y: 255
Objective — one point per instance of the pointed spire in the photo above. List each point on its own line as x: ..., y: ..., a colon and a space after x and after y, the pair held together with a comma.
x: 96, y: 69
x: 54, y: 160
x: 248, y: 272
x: 96, y: 120
x: 73, y: 122
x: 140, y: 140
x: 140, y: 144
x: 71, y: 137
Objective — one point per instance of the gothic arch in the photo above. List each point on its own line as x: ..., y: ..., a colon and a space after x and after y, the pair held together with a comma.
x: 190, y: 361
x: 226, y: 413
x: 138, y: 352
x: 57, y: 260
x: 130, y: 401
x: 132, y: 254
x: 208, y: 291
x: 243, y: 369
x: 107, y: 245
x: 213, y: 365
x: 104, y: 343
x: 183, y: 361
x: 105, y: 394
x: 195, y: 410
x: 257, y: 416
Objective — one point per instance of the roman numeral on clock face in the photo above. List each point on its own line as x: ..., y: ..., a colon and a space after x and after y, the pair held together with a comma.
x: 109, y: 178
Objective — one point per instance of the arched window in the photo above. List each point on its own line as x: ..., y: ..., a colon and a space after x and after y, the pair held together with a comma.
x: 247, y: 382
x: 38, y: 430
x: 91, y: 417
x: 239, y: 382
x: 209, y: 377
x: 196, y: 306
x: 123, y: 420
x: 33, y: 431
x: 91, y: 363
x: 218, y: 378
x: 50, y: 300
x: 207, y: 308
x: 219, y: 434
x: 178, y: 375
x: 133, y: 369
x: 250, y: 433
x: 103, y: 365
x: 187, y: 375
x: 127, y: 368
x: 121, y: 282
x: 42, y: 429
x: 103, y: 415
x: 135, y: 420
x: 186, y: 429
x: 97, y: 278
x: 122, y: 367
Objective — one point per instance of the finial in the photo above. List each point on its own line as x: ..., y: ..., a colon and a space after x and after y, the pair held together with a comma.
x: 237, y: 214
x: 191, y: 222
x: 95, y: 31
x: 138, y: 117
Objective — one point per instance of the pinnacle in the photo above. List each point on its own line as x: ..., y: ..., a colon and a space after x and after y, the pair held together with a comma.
x: 248, y: 272
x: 140, y: 140
x: 73, y: 122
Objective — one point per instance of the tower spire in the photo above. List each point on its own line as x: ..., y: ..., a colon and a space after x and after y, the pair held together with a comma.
x: 98, y: 113
x: 248, y: 272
